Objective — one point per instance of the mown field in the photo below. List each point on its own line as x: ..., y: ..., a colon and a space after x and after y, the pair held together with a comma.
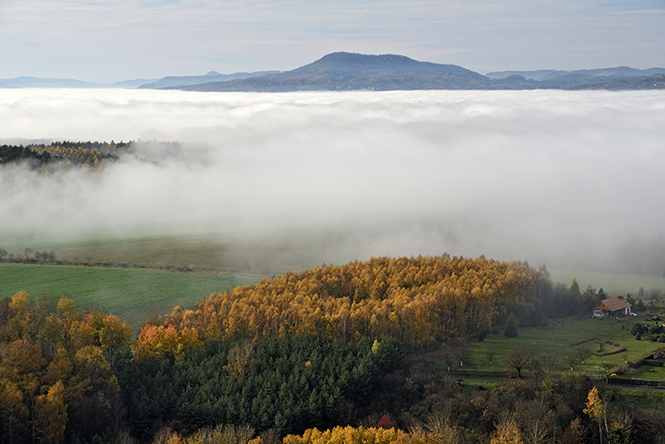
x: 132, y: 294
x: 554, y: 341
x: 259, y: 255
x: 269, y: 255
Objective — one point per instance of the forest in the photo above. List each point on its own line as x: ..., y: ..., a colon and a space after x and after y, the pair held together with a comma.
x: 335, y: 354
x: 40, y: 156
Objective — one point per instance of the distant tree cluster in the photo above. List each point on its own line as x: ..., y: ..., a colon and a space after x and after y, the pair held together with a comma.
x: 89, y: 154
x: 28, y: 256
x: 17, y: 153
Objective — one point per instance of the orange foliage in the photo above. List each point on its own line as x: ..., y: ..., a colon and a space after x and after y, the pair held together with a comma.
x: 416, y: 300
x: 352, y: 435
x: 159, y: 342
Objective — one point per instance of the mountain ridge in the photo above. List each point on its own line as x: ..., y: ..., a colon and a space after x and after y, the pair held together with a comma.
x: 214, y: 76
x: 548, y: 74
x: 346, y: 71
x: 343, y: 71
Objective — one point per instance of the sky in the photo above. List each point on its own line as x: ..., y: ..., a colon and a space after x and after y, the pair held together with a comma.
x: 570, y: 179
x: 114, y: 40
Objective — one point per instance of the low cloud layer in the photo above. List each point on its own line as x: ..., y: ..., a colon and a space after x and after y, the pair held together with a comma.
x: 563, y: 178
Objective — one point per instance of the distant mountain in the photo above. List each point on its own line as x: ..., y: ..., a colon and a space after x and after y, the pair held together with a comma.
x: 626, y: 83
x: 343, y: 71
x: 36, y: 82
x: 550, y: 74
x: 346, y: 71
x: 212, y: 76
x: 135, y: 83
x: 543, y: 74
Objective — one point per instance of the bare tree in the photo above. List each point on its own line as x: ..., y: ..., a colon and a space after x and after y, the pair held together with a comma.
x: 518, y: 358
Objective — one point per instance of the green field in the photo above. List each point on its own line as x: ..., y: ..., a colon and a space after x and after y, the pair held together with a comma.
x: 132, y: 294
x: 263, y: 255
x: 555, y: 341
x: 271, y: 254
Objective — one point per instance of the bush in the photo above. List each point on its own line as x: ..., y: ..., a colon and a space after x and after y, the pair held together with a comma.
x: 637, y: 328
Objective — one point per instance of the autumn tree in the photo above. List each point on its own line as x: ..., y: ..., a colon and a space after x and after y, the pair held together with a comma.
x: 51, y: 415
x: 507, y: 432
x: 240, y: 359
x: 595, y: 409
x: 55, y: 380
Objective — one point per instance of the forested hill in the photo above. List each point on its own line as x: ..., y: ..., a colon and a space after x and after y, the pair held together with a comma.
x: 418, y: 301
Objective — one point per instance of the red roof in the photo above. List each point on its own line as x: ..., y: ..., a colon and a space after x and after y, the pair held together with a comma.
x: 613, y: 304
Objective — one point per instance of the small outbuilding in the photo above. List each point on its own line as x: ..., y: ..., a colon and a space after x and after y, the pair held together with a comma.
x: 616, y: 306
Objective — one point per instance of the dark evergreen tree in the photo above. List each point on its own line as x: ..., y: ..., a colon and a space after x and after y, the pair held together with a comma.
x: 511, y: 327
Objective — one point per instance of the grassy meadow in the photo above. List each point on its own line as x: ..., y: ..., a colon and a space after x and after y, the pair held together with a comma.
x: 263, y: 255
x: 555, y: 341
x: 132, y: 294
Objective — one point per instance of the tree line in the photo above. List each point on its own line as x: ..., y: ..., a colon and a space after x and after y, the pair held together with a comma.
x: 28, y: 256
x: 89, y: 154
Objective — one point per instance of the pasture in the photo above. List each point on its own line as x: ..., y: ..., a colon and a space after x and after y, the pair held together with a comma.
x: 270, y: 254
x: 554, y: 342
x: 132, y: 294
x: 262, y: 255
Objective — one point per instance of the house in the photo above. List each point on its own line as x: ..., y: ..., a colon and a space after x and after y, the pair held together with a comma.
x: 616, y: 306
x: 659, y: 354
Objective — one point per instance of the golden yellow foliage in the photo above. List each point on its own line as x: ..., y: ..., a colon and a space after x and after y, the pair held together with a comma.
x: 353, y: 435
x: 416, y: 300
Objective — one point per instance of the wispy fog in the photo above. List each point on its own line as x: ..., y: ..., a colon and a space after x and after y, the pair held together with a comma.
x: 562, y: 178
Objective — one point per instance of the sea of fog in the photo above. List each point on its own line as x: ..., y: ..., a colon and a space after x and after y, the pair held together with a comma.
x: 562, y: 178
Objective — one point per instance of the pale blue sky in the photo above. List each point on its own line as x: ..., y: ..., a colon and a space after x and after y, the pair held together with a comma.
x: 104, y: 40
